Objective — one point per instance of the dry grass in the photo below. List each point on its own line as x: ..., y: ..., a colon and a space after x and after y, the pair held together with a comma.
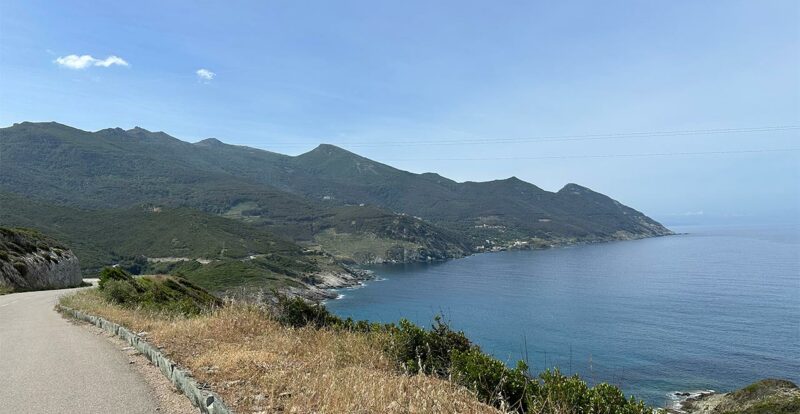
x: 258, y: 365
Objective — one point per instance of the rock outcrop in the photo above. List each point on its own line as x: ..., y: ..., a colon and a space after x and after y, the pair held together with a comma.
x: 773, y: 396
x: 32, y: 261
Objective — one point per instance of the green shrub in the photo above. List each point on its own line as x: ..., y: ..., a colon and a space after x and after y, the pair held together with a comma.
x: 133, y: 264
x: 420, y: 350
x: 296, y: 312
x: 362, y: 326
x: 559, y: 393
x: 121, y: 292
x: 608, y: 399
x: 114, y: 273
x: 158, y: 293
x: 174, y: 294
x: 492, y: 380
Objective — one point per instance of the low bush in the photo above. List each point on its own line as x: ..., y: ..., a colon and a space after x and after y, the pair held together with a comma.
x: 116, y: 274
x: 158, y: 293
x: 121, y: 292
x: 492, y: 380
x: 426, y: 351
x: 449, y: 354
x: 296, y: 312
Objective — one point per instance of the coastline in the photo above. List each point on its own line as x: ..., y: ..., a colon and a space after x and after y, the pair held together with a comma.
x: 681, y: 401
x: 655, y: 388
x: 326, y: 284
x: 326, y: 289
x: 773, y: 396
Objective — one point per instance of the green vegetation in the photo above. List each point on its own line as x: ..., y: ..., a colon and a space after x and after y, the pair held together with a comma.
x: 364, y: 234
x: 262, y: 273
x: 294, y: 195
x: 363, y: 248
x: 769, y: 396
x: 122, y: 197
x: 155, y: 293
x: 15, y: 242
x: 449, y: 354
x: 771, y: 406
x: 760, y: 389
x: 129, y: 236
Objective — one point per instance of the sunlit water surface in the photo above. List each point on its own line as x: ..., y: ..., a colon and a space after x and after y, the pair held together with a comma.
x: 716, y: 308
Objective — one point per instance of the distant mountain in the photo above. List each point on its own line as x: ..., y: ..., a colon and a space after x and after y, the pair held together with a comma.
x: 328, y: 198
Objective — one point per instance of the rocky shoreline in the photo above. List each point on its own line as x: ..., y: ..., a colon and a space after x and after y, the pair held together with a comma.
x: 681, y: 400
x: 326, y: 283
x: 773, y: 396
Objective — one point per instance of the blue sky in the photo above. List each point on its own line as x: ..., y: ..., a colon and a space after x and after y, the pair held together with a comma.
x: 371, y: 76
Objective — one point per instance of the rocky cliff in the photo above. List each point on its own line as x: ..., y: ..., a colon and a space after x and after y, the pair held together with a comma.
x: 32, y: 261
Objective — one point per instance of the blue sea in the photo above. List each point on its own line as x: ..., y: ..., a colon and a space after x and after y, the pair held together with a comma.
x: 715, y: 308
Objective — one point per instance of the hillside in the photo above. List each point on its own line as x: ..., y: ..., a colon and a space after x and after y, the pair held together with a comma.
x: 514, y: 208
x: 109, y: 236
x: 117, y: 168
x: 220, y: 254
x: 30, y: 260
x: 57, y: 165
x: 146, y: 200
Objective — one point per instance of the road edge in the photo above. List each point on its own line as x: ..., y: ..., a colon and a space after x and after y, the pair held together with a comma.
x: 207, y: 401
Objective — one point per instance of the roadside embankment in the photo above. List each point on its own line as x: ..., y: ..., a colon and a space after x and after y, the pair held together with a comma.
x: 256, y: 364
x: 30, y: 260
x: 207, y: 401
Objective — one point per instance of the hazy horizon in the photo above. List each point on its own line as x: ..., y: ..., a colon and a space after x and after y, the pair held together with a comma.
x: 465, y: 90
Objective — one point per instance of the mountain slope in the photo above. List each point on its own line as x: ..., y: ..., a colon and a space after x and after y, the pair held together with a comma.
x: 311, y: 198
x: 572, y: 212
x: 105, y: 237
x: 114, y: 168
x: 223, y: 255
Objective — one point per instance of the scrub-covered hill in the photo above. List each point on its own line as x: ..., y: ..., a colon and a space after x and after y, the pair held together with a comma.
x: 146, y: 200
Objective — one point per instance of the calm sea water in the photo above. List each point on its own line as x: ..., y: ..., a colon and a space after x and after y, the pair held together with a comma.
x: 717, y: 308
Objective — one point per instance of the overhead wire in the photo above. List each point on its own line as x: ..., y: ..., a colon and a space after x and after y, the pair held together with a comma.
x: 556, y: 138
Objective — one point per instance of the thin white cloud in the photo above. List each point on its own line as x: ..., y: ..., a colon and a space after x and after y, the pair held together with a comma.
x: 205, y: 74
x: 111, y: 60
x: 85, y: 61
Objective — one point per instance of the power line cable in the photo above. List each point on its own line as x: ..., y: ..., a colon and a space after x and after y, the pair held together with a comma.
x: 558, y: 157
x: 560, y: 138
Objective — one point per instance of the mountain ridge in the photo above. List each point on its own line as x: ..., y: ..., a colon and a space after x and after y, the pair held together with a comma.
x: 329, y: 199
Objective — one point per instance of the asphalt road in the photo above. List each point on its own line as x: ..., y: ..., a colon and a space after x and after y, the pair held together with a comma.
x: 48, y: 365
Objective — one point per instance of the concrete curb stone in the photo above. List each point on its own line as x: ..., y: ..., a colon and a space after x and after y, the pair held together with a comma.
x: 208, y: 402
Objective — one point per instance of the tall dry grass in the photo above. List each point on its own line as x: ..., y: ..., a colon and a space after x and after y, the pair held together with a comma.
x: 257, y: 365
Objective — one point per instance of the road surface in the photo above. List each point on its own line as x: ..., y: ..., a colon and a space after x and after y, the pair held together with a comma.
x: 49, y: 365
